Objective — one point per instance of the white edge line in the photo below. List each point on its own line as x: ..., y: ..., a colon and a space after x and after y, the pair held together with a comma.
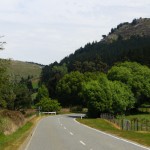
x: 32, y: 134
x: 82, y: 143
x: 113, y: 136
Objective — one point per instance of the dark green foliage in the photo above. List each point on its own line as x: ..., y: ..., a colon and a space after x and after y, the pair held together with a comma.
x: 135, y: 76
x: 99, y: 96
x: 48, y: 105
x: 22, y: 97
x: 129, y: 41
x: 69, y: 88
x: 13, y: 95
x: 51, y: 75
x: 122, y: 98
x: 107, y: 96
x: 27, y: 82
x: 42, y: 92
x: 4, y: 83
x: 134, y: 49
x: 132, y: 43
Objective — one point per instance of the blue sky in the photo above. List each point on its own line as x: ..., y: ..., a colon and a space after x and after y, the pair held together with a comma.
x: 45, y: 31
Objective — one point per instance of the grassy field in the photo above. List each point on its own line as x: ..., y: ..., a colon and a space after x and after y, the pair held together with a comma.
x: 103, y: 125
x: 18, y: 69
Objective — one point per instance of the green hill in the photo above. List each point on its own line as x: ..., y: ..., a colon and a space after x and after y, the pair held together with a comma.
x: 128, y: 41
x: 19, y: 69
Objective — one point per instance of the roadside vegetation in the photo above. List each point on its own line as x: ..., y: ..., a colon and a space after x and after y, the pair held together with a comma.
x: 13, y: 141
x: 16, y: 139
x: 103, y: 125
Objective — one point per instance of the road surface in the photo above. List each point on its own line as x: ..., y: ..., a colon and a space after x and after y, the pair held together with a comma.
x: 62, y: 132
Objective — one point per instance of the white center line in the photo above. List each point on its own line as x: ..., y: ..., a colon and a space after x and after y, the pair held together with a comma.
x: 71, y: 133
x: 82, y: 143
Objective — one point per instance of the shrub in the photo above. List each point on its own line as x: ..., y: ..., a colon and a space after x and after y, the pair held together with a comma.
x: 47, y: 105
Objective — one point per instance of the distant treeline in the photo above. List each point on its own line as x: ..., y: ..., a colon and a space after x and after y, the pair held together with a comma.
x: 134, y: 49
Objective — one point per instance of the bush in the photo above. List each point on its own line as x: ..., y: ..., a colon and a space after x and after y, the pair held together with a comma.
x: 47, y: 105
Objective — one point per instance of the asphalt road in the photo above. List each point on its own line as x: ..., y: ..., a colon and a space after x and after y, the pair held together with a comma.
x: 62, y: 132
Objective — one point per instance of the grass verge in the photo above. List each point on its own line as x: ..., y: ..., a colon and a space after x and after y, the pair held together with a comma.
x: 13, y: 141
x: 103, y: 125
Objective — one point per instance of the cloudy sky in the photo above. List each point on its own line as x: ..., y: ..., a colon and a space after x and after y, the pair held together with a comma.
x: 45, y: 31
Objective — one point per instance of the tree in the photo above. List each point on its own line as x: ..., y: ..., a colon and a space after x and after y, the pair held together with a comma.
x: 69, y: 88
x: 4, y: 82
x: 22, y: 97
x: 122, y: 98
x: 27, y: 82
x: 105, y: 96
x: 51, y: 75
x: 48, y: 105
x: 42, y: 93
x: 135, y: 76
x: 99, y: 96
x: 6, y: 92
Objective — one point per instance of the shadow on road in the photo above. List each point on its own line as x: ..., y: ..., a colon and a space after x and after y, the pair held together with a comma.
x: 76, y: 115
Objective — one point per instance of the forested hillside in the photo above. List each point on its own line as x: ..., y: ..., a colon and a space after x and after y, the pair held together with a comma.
x: 105, y: 76
x: 128, y: 41
x: 131, y: 43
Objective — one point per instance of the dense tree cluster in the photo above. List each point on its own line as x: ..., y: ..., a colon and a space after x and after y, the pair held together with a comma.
x: 69, y: 88
x: 135, y: 76
x: 13, y: 95
x: 124, y: 87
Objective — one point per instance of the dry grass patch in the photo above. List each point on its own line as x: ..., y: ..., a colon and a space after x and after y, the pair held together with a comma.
x: 15, y: 140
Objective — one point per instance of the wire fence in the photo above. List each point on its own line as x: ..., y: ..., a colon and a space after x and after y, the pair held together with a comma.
x: 128, y: 125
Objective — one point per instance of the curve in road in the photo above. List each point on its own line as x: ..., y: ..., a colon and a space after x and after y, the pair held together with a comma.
x: 62, y: 132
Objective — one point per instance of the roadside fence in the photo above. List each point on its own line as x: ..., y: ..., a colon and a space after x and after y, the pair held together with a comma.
x: 128, y: 125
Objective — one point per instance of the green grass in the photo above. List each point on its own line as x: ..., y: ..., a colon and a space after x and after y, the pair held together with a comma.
x: 101, y: 124
x: 12, y: 141
x: 147, y: 110
x: 35, y: 84
x: 139, y: 116
x: 18, y: 69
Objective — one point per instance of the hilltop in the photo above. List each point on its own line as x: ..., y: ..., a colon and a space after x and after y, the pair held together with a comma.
x: 138, y: 27
x: 128, y: 41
